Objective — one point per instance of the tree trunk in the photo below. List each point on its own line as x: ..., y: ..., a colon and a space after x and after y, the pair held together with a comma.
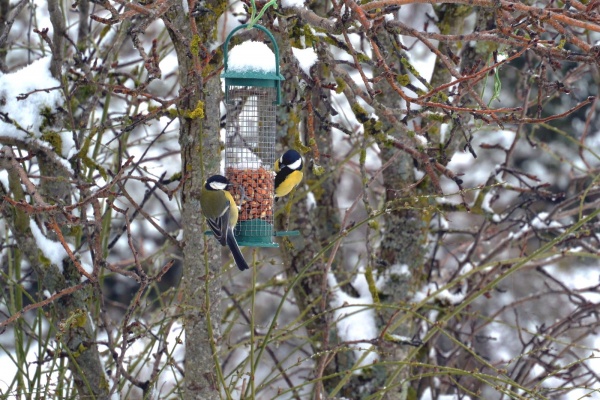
x: 200, y: 155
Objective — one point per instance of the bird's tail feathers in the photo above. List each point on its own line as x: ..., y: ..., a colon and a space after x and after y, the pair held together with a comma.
x: 236, y: 252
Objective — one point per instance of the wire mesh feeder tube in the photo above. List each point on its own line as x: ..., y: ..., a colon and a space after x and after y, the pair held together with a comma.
x: 251, y: 95
x: 249, y: 157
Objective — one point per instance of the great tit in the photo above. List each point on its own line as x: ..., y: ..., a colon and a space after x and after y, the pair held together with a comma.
x: 289, y: 173
x: 221, y: 212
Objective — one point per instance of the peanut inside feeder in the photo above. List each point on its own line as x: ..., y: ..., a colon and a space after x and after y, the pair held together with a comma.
x: 253, y: 191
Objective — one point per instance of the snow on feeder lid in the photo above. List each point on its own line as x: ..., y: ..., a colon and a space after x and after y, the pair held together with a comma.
x: 251, y: 56
x: 252, y: 90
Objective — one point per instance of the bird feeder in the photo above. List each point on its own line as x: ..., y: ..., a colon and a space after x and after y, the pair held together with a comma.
x: 252, y: 92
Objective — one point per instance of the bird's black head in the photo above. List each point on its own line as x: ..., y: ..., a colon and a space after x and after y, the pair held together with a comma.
x: 291, y: 159
x: 217, y: 182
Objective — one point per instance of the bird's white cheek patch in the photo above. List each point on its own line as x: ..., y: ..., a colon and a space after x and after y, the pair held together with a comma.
x: 218, y: 185
x: 296, y: 164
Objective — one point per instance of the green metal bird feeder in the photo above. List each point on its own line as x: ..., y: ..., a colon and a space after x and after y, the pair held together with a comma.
x: 252, y: 92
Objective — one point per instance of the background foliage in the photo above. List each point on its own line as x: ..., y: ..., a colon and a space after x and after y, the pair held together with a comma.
x: 448, y: 217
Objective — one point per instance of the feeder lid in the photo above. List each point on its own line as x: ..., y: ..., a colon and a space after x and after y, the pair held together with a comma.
x: 251, y: 59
